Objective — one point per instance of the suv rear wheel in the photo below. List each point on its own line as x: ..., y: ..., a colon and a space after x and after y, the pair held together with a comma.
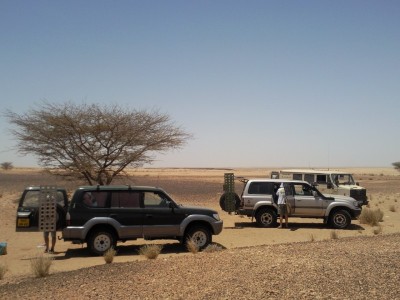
x: 266, y: 217
x: 200, y: 235
x: 100, y: 241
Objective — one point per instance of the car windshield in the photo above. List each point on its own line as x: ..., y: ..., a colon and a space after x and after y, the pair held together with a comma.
x: 341, y: 179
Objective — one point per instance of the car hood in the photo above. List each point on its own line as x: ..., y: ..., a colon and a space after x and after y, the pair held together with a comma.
x: 340, y: 198
x: 196, y: 210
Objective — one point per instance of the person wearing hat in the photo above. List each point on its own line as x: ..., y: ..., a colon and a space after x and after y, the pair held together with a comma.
x: 282, y: 206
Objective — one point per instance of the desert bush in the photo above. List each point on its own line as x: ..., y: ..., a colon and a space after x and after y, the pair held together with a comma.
x: 392, y: 208
x: 212, y: 248
x: 41, y: 264
x: 191, y: 246
x: 109, y: 255
x: 150, y: 251
x: 3, y: 270
x: 371, y: 216
x: 377, y: 230
x: 334, y: 235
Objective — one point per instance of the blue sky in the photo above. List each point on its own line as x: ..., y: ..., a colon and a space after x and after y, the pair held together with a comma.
x: 257, y: 83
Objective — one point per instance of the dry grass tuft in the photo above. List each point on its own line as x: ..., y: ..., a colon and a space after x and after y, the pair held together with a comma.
x: 371, y: 216
x: 3, y: 270
x: 377, y: 230
x: 150, y: 251
x: 41, y: 264
x: 334, y: 235
x: 311, y: 238
x: 109, y: 255
x: 212, y: 248
x: 191, y: 246
x: 392, y: 208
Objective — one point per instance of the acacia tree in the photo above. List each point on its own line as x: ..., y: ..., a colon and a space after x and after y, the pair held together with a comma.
x: 92, y: 142
x: 396, y: 165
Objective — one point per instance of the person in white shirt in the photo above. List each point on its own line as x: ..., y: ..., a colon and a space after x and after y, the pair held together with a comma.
x: 282, y: 206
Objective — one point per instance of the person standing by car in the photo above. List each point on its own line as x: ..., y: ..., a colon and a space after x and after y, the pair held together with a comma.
x: 282, y: 206
x: 89, y: 200
x: 47, y: 241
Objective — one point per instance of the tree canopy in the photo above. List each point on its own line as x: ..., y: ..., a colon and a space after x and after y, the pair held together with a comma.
x: 396, y: 165
x: 93, y: 142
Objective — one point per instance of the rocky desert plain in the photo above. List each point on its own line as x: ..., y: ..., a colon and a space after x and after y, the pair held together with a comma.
x: 302, y: 262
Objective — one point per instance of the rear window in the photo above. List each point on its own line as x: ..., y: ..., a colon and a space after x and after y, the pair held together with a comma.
x: 31, y: 199
x: 261, y: 188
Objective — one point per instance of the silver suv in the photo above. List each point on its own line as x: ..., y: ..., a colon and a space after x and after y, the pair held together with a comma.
x: 259, y: 201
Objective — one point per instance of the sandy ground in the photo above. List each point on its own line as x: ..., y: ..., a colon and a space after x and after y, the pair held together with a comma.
x: 200, y: 187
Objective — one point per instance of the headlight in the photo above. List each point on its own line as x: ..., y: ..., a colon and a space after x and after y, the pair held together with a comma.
x: 216, y: 217
x: 356, y: 204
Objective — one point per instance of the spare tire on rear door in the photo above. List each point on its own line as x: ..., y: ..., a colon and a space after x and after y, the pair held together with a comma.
x: 224, y: 202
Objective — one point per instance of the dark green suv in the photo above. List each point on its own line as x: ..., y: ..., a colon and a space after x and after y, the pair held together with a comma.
x: 102, y: 215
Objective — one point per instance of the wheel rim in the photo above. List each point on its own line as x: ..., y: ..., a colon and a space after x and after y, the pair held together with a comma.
x: 266, y: 219
x: 102, y: 243
x: 200, y: 238
x: 340, y: 220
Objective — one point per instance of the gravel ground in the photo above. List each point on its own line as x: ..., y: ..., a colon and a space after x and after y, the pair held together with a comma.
x: 346, y: 268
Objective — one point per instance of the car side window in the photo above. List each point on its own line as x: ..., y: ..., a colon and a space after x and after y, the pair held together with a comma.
x: 128, y: 199
x: 261, y: 188
x: 302, y: 190
x: 95, y: 199
x: 154, y: 200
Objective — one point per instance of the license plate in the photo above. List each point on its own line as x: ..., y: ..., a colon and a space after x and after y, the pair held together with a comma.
x: 23, y: 222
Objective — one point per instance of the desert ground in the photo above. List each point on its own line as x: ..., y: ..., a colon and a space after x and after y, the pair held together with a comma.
x: 249, y: 252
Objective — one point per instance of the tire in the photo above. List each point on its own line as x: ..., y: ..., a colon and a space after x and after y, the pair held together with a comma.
x: 200, y: 235
x: 100, y: 241
x: 266, y: 217
x: 340, y: 219
x: 223, y: 198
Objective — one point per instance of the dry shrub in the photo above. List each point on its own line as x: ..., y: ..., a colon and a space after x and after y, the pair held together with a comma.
x: 3, y: 270
x: 191, y: 246
x: 392, y: 208
x: 109, y: 255
x: 41, y: 264
x: 150, y: 251
x: 371, y: 216
x: 377, y: 230
x: 334, y: 235
x: 212, y: 248
x: 312, y: 238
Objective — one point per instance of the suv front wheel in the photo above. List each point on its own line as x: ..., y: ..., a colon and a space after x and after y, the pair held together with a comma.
x: 100, y: 241
x: 340, y: 219
x: 200, y: 235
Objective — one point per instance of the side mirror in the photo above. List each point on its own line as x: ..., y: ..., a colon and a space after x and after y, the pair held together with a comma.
x: 315, y: 194
x: 329, y: 185
x: 357, y: 183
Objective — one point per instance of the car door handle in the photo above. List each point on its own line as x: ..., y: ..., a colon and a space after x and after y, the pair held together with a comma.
x: 149, y: 216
